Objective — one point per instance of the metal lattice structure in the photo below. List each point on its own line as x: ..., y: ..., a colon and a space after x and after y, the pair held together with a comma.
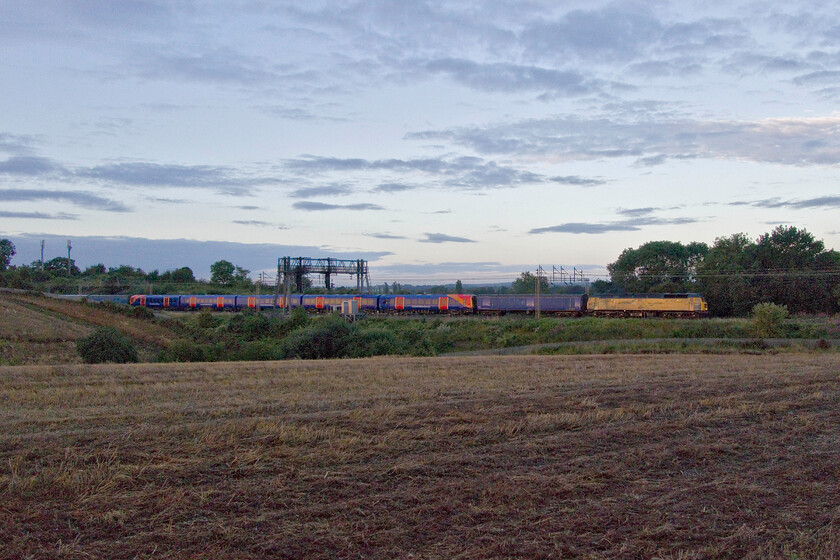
x: 296, y: 268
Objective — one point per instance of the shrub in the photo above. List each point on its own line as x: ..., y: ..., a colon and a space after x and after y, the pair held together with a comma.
x: 374, y: 342
x: 260, y: 350
x: 327, y: 338
x: 139, y: 312
x: 256, y: 326
x: 183, y: 351
x: 106, y: 344
x: 206, y: 320
x: 769, y: 319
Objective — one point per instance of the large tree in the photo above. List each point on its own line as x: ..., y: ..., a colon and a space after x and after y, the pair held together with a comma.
x: 658, y: 266
x: 7, y: 251
x: 221, y: 272
x: 723, y: 276
x: 786, y: 266
x: 183, y: 275
x: 527, y: 284
x: 794, y: 269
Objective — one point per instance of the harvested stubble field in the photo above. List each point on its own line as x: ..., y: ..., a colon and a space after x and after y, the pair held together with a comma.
x: 504, y: 457
x: 41, y: 330
x: 28, y: 336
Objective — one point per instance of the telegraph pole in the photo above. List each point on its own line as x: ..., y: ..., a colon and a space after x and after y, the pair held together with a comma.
x: 537, y: 298
x: 259, y: 281
x: 43, y: 242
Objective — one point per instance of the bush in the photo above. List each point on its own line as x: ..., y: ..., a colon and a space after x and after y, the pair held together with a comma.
x: 139, y: 312
x: 206, y: 320
x: 374, y: 342
x: 769, y: 319
x: 327, y: 338
x: 256, y: 326
x: 260, y: 350
x: 106, y: 344
x: 183, y: 351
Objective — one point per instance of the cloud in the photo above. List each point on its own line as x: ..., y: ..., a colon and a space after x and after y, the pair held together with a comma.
x: 16, y: 144
x: 508, y: 78
x: 819, y: 202
x: 443, y: 238
x: 37, y: 215
x: 258, y: 223
x: 633, y: 224
x: 333, y: 190
x: 467, y: 172
x: 789, y: 141
x: 636, y: 212
x: 298, y: 114
x: 385, y: 236
x: 823, y: 77
x: 613, y: 33
x: 321, y: 206
x: 577, y: 181
x: 153, y: 175
x: 28, y: 165
x: 316, y: 164
x: 491, y: 175
x: 83, y: 199
x: 393, y: 188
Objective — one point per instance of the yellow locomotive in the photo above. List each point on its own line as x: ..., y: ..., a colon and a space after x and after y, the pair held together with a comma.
x: 647, y: 305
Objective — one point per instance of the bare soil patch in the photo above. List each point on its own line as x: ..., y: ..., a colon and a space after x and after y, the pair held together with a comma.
x: 674, y: 456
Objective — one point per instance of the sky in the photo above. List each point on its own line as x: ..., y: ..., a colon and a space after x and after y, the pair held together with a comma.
x: 467, y: 140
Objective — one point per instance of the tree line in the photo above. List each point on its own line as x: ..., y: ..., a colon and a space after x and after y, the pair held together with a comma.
x: 786, y: 266
x: 61, y: 275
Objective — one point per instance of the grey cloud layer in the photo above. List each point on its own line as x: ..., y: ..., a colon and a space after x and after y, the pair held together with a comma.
x: 818, y: 202
x: 322, y: 206
x: 223, y: 179
x: 803, y: 141
x: 504, y: 77
x: 37, y: 215
x: 83, y: 199
x: 463, y: 172
x: 443, y: 238
x: 484, y: 45
x: 630, y: 224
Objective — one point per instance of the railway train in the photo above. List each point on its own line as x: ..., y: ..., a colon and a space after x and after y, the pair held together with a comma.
x: 636, y: 305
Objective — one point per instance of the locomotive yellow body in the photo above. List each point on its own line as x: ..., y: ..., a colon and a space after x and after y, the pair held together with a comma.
x: 654, y: 305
